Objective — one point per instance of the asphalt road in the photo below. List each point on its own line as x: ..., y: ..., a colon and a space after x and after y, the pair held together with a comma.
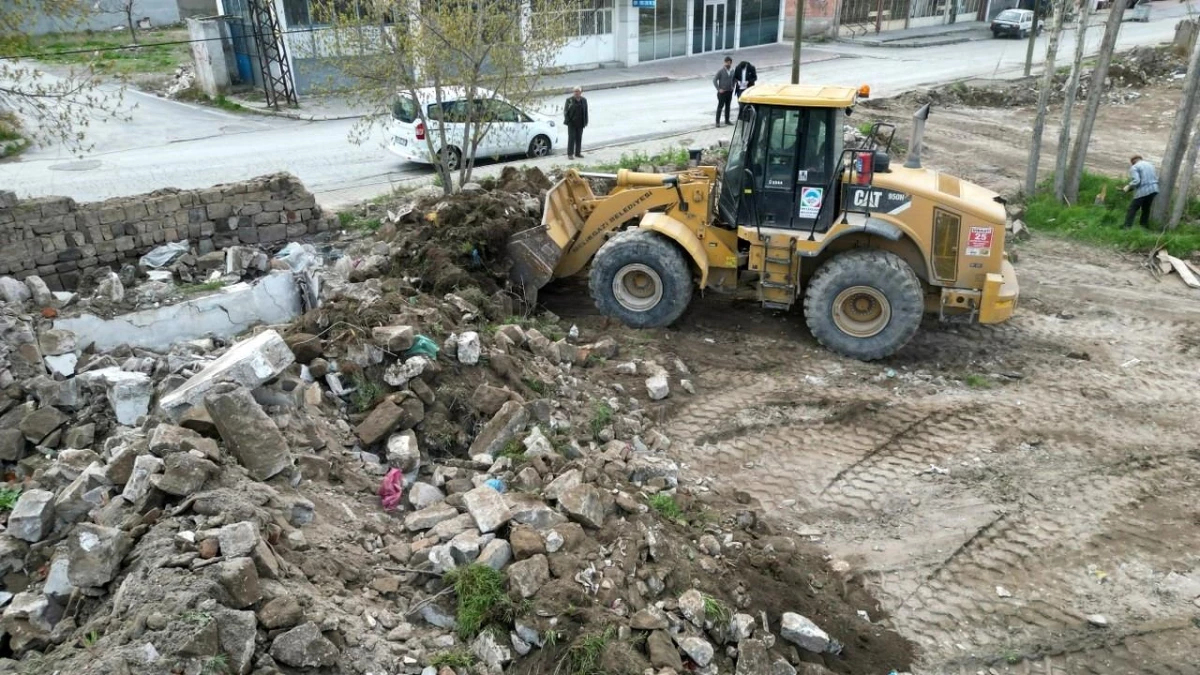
x: 171, y: 144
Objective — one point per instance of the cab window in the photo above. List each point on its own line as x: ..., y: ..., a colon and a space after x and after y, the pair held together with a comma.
x: 777, y: 147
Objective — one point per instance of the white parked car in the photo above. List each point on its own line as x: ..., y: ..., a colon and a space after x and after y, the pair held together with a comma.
x: 510, y: 131
x: 1015, y: 22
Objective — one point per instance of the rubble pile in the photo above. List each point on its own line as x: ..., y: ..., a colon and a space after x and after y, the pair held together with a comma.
x: 397, y: 482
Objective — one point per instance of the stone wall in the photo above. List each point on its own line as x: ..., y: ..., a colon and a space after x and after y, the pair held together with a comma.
x: 59, y: 239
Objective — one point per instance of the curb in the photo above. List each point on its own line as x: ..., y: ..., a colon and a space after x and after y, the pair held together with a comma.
x: 913, y: 44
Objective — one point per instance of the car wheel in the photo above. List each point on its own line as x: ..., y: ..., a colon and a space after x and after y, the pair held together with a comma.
x: 996, y: 34
x: 539, y: 146
x: 451, y: 158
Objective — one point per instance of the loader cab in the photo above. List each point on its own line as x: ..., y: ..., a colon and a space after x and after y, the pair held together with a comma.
x: 783, y: 157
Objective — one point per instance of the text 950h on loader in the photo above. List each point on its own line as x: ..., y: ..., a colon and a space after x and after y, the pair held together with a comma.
x: 869, y: 247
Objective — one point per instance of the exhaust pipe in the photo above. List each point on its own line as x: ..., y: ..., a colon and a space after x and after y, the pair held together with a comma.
x: 913, y: 161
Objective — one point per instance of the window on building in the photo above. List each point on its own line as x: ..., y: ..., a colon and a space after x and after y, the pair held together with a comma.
x: 760, y: 22
x: 662, y: 30
x: 587, y: 17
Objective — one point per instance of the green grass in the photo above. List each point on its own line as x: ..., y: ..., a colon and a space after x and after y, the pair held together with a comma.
x: 366, y: 393
x: 537, y: 386
x: 352, y: 221
x: 666, y: 506
x: 8, y: 498
x: 716, y: 610
x: 977, y: 381
x: 215, y: 665
x: 196, y: 617
x: 543, y: 325
x: 481, y: 598
x: 192, y: 289
x: 583, y: 656
x: 602, y: 414
x: 105, y: 50
x: 512, y: 450
x: 633, y: 161
x: 1101, y: 224
x: 457, y: 658
x: 90, y: 639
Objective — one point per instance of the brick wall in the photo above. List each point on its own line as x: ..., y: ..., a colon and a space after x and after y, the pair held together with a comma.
x: 59, y: 239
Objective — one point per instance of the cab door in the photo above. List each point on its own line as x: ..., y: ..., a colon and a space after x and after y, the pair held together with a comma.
x: 774, y: 159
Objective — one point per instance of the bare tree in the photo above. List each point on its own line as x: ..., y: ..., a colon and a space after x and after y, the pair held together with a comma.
x: 52, y: 109
x: 1039, y: 122
x: 1184, y: 188
x: 1095, y: 96
x: 1177, y: 141
x: 1064, y: 132
x: 476, y: 59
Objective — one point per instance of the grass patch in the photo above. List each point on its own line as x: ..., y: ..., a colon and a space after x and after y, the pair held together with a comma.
x: 583, y: 657
x: 665, y: 505
x: 481, y: 598
x: 512, y: 450
x: 192, y: 289
x: 352, y: 221
x: 716, y: 610
x: 674, y: 157
x: 8, y: 498
x: 366, y: 393
x: 602, y: 414
x: 215, y: 665
x: 457, y: 658
x: 110, y: 52
x: 537, y: 386
x: 1101, y: 223
x: 541, y: 324
x: 90, y: 639
x: 977, y: 381
x: 196, y: 617
x: 10, y: 131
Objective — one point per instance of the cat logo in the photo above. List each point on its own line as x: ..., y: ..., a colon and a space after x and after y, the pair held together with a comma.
x: 881, y: 200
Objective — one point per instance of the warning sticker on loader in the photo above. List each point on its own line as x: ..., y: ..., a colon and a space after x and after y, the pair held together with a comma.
x: 979, y: 242
x: 810, y: 201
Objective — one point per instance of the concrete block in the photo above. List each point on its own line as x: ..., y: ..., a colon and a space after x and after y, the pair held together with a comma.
x: 249, y: 363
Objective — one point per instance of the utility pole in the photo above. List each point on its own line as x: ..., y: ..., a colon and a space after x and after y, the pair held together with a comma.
x: 1033, y: 32
x: 796, y: 41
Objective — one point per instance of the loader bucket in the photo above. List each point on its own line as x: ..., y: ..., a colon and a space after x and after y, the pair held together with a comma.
x: 536, y: 252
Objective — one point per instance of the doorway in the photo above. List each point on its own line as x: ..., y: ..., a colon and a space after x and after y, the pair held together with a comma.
x: 713, y: 38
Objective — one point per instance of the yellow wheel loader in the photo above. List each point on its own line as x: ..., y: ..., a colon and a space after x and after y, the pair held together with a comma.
x: 869, y: 247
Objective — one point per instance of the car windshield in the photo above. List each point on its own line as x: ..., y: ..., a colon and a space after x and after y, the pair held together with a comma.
x: 1009, y: 15
x: 404, y: 109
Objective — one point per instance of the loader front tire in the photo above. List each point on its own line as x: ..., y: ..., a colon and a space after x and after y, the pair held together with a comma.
x: 641, y: 278
x: 864, y: 304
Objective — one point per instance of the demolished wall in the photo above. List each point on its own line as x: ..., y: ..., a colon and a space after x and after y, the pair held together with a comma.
x: 61, y: 240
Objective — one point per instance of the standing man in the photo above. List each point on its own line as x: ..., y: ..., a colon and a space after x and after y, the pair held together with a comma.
x: 744, y: 77
x: 723, y: 81
x: 1144, y: 183
x: 575, y: 117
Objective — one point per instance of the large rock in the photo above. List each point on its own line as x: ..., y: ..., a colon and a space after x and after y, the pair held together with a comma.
x: 238, y: 539
x: 237, y: 632
x: 12, y: 445
x: 185, y: 474
x: 40, y: 292
x: 421, y: 495
x: 741, y: 627
x: 248, y: 432
x: 248, y: 363
x: 487, y: 507
x: 753, y: 658
x: 502, y: 428
x: 395, y: 339
x: 649, y: 618
x: 239, y: 578
x: 304, y: 647
x: 525, y: 542
x: 13, y: 291
x: 56, y: 341
x: 564, y: 482
x: 658, y: 387
x: 41, y: 423
x: 532, y: 511
x: 663, y: 653
x: 89, y: 490
x: 698, y: 650
x: 388, y: 417
x: 144, y: 466
x: 168, y: 438
x: 691, y: 606
x: 584, y: 504
x: 643, y: 467
x: 58, y: 585
x: 469, y: 348
x: 33, y: 516
x: 429, y: 516
x: 488, y: 399
x: 495, y: 554
x: 528, y: 576
x: 28, y: 621
x: 492, y: 653
x: 803, y: 633
x: 281, y: 612
x: 129, y: 394
x: 403, y: 452
x: 95, y: 554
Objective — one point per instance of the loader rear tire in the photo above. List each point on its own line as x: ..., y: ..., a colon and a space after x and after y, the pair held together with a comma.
x: 864, y: 304
x: 641, y: 278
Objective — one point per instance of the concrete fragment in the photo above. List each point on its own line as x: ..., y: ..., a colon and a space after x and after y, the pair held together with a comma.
x: 429, y: 516
x: 421, y: 495
x: 239, y: 578
x: 238, y: 539
x: 469, y: 348
x: 490, y: 652
x: 649, y: 618
x: 62, y: 366
x: 168, y: 438
x: 495, y: 554
x: 644, y: 467
x: 95, y: 554
x: 304, y: 647
x: 249, y: 434
x: 502, y: 428
x: 691, y: 606
x: 403, y: 452
x: 395, y: 339
x: 753, y: 658
x: 41, y: 423
x: 236, y: 633
x: 12, y: 445
x: 532, y: 511
x: 803, y: 633
x: 139, y: 480
x: 280, y: 612
x: 564, y: 482
x: 28, y: 620
x: 487, y: 507
x: 55, y: 342
x: 13, y: 291
x: 663, y: 653
x: 698, y: 650
x: 39, y: 292
x: 584, y: 505
x: 528, y: 576
x: 129, y: 394
x: 388, y: 417
x: 658, y: 387
x: 184, y: 474
x: 741, y: 627
x: 400, y: 373
x: 32, y: 518
x: 58, y: 586
x: 248, y: 363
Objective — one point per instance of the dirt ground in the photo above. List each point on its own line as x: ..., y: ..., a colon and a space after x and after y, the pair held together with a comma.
x: 998, y: 489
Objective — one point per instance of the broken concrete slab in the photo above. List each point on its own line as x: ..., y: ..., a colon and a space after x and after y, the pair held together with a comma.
x: 802, y: 632
x: 129, y: 394
x: 62, y: 366
x: 249, y: 433
x: 144, y: 466
x: 502, y: 428
x: 273, y: 299
x: 248, y: 363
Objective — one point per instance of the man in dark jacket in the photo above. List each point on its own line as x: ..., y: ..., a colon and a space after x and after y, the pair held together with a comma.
x: 744, y: 77
x: 723, y: 81
x: 575, y: 117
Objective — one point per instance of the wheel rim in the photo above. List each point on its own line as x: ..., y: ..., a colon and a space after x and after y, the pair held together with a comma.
x: 637, y: 287
x: 861, y: 311
x: 450, y: 159
x: 540, y: 147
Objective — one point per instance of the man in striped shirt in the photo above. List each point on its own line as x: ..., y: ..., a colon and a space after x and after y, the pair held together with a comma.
x: 1144, y: 182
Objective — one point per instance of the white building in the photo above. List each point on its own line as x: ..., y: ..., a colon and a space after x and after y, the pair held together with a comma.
x: 610, y: 32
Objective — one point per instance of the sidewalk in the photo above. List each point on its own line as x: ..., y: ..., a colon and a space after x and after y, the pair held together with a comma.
x: 924, y: 36
x: 766, y: 57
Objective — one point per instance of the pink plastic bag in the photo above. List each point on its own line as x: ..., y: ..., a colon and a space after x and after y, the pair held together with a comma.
x: 392, y: 489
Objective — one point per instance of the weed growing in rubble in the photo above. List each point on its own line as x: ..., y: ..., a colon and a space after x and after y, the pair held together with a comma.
x: 537, y: 386
x: 513, y: 451
x: 366, y: 393
x: 481, y: 598
x: 192, y: 289
x: 602, y: 414
x: 90, y: 639
x: 8, y: 498
x: 717, y: 611
x: 976, y: 381
x: 584, y: 655
x: 666, y: 507
x: 195, y: 617
x: 345, y: 218
x: 457, y: 658
x: 215, y: 665
x: 671, y: 157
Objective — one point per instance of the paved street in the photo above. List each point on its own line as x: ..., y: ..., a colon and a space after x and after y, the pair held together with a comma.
x: 169, y: 144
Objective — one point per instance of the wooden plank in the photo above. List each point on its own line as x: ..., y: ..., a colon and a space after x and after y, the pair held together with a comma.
x: 1181, y: 268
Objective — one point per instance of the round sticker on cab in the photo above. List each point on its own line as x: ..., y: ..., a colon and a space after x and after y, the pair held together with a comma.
x: 810, y: 201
